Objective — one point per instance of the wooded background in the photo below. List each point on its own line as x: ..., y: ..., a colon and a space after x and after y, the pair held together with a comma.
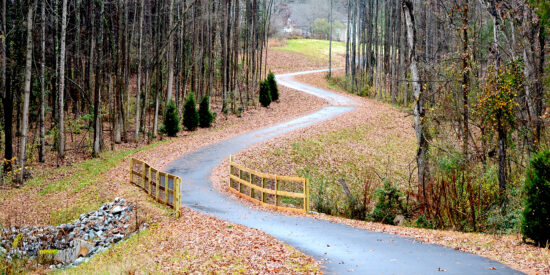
x: 105, y: 69
x: 473, y: 74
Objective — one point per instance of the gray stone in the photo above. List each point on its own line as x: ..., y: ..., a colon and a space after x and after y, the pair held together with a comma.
x: 117, y: 238
x: 117, y: 210
x: 399, y: 220
x: 69, y: 255
x: 80, y: 260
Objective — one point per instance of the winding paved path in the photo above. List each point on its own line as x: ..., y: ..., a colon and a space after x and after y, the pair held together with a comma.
x: 344, y: 249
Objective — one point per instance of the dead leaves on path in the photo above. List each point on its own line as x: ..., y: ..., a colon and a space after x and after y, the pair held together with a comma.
x: 200, y: 244
x: 508, y: 249
x: 194, y: 243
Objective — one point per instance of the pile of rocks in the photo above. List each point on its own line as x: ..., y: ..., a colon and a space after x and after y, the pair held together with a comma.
x: 73, y: 243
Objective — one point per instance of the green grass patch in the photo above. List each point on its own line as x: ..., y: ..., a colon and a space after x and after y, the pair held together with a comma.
x: 358, y: 155
x: 314, y: 48
x: 87, y: 172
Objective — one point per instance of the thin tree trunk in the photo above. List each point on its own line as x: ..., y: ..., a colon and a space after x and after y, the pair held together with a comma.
x: 62, y: 79
x: 138, y: 99
x: 417, y: 92
x: 98, y: 81
x: 3, y: 49
x: 465, y: 79
x: 170, y: 54
x: 348, y: 34
x: 501, y: 157
x: 42, y: 149
x: 26, y: 89
x: 330, y: 44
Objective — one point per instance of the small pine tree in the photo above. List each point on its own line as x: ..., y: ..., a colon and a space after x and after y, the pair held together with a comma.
x: 190, y: 114
x: 265, y: 96
x: 273, y: 89
x: 535, y: 223
x: 171, y: 125
x: 206, y: 117
x: 388, y: 205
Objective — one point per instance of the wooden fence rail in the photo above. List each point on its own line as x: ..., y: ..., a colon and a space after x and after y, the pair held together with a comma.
x: 279, y: 192
x: 164, y: 187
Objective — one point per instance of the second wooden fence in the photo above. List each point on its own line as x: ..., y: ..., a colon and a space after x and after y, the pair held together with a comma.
x: 279, y: 192
x: 164, y: 187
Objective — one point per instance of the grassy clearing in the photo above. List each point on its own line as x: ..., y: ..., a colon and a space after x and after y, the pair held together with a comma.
x: 69, y: 191
x: 79, y: 182
x: 361, y: 156
x: 314, y: 48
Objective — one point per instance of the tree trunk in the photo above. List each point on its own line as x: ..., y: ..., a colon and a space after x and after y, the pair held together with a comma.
x: 501, y: 157
x: 62, y: 80
x: 42, y: 149
x: 98, y: 81
x: 7, y: 98
x: 348, y: 34
x: 170, y: 53
x: 330, y: 45
x: 465, y: 79
x: 26, y: 89
x: 417, y: 92
x: 138, y: 99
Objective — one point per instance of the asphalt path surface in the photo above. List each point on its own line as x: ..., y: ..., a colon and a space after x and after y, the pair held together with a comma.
x: 342, y: 248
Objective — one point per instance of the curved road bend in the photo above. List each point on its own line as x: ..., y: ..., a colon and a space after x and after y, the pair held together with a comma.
x: 343, y: 249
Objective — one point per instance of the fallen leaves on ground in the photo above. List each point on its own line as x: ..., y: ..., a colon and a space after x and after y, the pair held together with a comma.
x: 27, y: 206
x: 201, y: 244
x: 508, y: 249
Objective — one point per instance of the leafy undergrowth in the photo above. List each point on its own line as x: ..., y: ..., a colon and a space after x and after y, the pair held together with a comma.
x: 199, y: 244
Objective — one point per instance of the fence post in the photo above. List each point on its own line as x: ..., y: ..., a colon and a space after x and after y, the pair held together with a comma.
x: 251, y: 184
x: 230, y: 161
x: 131, y: 169
x: 240, y: 177
x: 177, y: 186
x: 276, y: 191
x: 167, y: 187
x: 157, y: 185
x: 143, y: 174
x: 148, y: 180
x: 263, y: 186
x: 156, y: 181
x: 307, y: 195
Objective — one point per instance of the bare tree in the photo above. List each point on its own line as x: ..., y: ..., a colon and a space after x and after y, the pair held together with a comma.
x: 330, y: 43
x: 62, y: 79
x: 27, y: 88
x: 42, y: 149
x: 139, y: 72
x: 417, y: 93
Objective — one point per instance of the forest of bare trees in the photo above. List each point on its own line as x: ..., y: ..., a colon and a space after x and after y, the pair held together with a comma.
x: 105, y: 69
x: 472, y: 72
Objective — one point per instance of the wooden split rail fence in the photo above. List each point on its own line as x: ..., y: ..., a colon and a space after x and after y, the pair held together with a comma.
x: 164, y: 187
x: 279, y: 192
